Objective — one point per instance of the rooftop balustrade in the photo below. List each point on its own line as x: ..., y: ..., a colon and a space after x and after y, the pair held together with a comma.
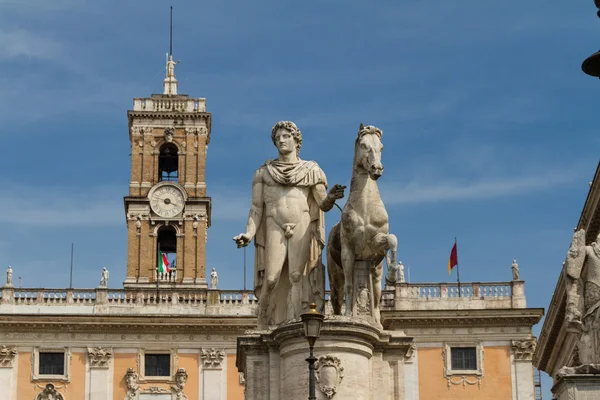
x: 404, y: 296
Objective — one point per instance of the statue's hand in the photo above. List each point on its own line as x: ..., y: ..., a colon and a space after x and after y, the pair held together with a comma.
x: 336, y: 192
x: 242, y: 240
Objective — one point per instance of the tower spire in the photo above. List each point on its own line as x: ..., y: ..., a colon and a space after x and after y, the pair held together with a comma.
x: 170, y: 83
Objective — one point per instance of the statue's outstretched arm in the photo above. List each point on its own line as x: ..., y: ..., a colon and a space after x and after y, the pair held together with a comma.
x: 326, y: 200
x: 256, y: 210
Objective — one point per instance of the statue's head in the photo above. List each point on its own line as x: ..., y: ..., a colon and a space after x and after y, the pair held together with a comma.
x: 598, y: 238
x: 291, y: 128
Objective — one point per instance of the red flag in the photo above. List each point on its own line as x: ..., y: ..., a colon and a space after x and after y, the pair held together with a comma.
x: 453, y: 260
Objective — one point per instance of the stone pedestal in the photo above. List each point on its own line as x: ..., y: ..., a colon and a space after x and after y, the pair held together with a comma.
x: 364, y: 296
x: 577, y: 387
x: 355, y: 361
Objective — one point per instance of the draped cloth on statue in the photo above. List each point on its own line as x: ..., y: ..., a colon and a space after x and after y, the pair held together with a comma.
x: 303, y: 174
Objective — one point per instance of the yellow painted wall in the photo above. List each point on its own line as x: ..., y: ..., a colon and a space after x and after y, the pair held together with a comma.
x: 27, y: 390
x: 495, y: 385
x: 190, y: 363
x: 122, y: 362
x: 235, y: 391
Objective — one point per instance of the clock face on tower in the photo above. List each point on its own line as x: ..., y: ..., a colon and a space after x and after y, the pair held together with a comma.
x: 166, y: 201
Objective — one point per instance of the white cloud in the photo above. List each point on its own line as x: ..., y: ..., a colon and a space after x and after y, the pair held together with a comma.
x: 21, y: 43
x: 418, y: 192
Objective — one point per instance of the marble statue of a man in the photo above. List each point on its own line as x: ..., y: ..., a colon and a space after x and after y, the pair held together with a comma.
x: 104, y: 277
x: 286, y: 220
x: 515, y: 271
x: 9, y: 273
x: 583, y: 303
x: 214, y: 279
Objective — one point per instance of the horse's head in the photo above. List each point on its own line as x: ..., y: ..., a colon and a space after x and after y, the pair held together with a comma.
x: 367, y: 150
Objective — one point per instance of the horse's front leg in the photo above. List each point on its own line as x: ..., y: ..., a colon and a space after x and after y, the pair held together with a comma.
x: 392, y: 245
x: 348, y: 259
x: 377, y: 274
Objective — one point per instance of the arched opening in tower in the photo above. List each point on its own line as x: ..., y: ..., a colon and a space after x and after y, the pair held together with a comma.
x: 167, y: 254
x: 168, y: 163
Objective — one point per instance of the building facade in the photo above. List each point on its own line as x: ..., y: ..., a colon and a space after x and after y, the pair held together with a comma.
x: 168, y: 335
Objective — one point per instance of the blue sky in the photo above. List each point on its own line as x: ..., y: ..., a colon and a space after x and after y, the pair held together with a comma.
x: 488, y: 123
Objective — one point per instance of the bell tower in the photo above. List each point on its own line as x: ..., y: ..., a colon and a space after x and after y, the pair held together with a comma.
x: 167, y: 210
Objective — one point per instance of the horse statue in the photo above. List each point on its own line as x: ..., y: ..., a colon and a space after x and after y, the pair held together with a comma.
x: 358, y: 243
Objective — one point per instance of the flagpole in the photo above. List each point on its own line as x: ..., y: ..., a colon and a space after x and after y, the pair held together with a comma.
x: 158, y: 263
x: 71, y: 279
x: 457, y: 270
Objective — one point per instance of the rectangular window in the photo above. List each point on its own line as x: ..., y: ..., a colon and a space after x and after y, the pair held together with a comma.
x: 51, y: 363
x: 464, y: 358
x: 157, y: 365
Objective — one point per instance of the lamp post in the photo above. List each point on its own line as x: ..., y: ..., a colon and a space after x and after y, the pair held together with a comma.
x: 312, y: 321
x: 591, y: 65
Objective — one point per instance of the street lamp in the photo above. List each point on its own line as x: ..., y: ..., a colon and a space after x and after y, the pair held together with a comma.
x: 591, y: 65
x: 312, y: 321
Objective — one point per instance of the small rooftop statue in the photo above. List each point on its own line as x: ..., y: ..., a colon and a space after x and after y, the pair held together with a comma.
x: 214, y: 279
x: 104, y: 277
x: 515, y: 271
x: 9, y: 276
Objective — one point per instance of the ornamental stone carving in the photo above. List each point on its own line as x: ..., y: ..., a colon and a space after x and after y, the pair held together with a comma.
x: 523, y: 349
x: 49, y: 393
x: 7, y: 356
x: 169, y: 133
x: 363, y: 301
x: 212, y: 358
x: 329, y: 374
x: 132, y: 382
x: 409, y: 357
x: 99, y: 357
x: 180, y: 381
x: 141, y: 130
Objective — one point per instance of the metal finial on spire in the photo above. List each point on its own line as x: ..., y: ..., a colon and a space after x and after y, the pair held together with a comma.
x: 170, y: 83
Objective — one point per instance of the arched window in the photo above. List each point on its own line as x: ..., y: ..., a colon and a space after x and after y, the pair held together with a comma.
x: 168, y: 163
x: 166, y: 267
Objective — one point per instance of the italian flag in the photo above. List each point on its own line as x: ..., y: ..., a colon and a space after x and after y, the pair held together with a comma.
x: 163, y: 263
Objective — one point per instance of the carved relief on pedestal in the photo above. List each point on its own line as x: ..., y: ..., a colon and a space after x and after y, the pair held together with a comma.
x: 212, y: 358
x: 99, y: 357
x: 329, y: 374
x: 180, y: 381
x: 363, y: 301
x: 523, y: 349
x: 7, y: 356
x: 49, y: 393
x: 131, y: 381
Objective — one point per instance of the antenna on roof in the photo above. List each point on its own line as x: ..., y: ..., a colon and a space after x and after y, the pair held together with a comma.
x: 170, y: 83
x: 171, y: 33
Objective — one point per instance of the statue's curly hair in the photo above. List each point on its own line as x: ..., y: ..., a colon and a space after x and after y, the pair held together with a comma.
x: 292, y: 128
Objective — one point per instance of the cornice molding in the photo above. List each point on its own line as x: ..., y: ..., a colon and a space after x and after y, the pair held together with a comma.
x: 460, y: 318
